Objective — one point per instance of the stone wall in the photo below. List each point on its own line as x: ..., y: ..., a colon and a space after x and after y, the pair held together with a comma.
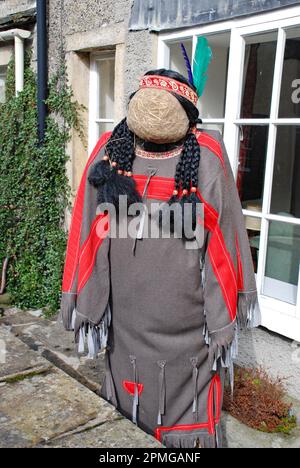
x: 17, y: 14
x: 96, y: 26
x: 9, y: 7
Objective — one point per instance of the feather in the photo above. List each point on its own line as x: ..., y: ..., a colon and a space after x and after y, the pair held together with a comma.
x: 202, y: 58
x: 187, y: 63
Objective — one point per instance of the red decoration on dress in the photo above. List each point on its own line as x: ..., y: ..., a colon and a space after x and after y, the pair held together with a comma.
x: 130, y: 386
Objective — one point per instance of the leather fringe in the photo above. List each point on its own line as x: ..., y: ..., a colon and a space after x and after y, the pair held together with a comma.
x: 192, y: 440
x: 67, y: 307
x: 248, y: 311
x: 90, y: 335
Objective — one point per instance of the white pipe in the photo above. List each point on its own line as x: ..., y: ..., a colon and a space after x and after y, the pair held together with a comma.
x: 18, y: 35
x: 19, y: 64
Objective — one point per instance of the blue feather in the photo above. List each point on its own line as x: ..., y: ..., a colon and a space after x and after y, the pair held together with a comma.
x: 202, y: 58
x: 187, y: 63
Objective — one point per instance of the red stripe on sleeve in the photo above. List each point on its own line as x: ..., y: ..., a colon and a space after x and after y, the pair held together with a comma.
x: 204, y: 139
x: 240, y: 274
x: 73, y: 246
x: 99, y: 231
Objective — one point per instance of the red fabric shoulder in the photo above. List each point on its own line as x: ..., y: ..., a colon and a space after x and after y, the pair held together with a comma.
x: 73, y: 246
x: 204, y: 139
x: 101, y: 142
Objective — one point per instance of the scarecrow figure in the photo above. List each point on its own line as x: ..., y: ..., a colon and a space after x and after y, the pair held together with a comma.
x: 167, y: 315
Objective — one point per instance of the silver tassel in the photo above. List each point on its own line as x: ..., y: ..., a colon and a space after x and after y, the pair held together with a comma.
x: 73, y: 319
x: 81, y: 339
x: 162, y: 390
x: 194, y: 361
x: 135, y: 400
x: 90, y: 342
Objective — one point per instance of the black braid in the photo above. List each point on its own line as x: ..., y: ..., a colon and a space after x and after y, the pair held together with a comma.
x: 120, y: 146
x: 195, y: 160
x: 108, y: 176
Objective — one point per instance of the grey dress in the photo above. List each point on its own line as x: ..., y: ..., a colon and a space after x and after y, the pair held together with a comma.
x: 168, y: 316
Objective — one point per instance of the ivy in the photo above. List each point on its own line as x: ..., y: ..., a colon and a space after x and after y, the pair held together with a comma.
x: 34, y: 189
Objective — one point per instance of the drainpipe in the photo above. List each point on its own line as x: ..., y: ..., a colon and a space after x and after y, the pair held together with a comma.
x: 41, y: 67
x: 18, y: 36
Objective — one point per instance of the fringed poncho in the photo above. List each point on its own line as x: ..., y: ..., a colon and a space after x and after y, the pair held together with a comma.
x: 168, y: 317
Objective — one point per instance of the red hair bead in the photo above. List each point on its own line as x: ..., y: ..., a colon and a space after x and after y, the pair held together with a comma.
x: 194, y: 189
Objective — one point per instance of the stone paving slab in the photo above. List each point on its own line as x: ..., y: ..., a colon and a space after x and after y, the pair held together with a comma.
x: 57, y: 345
x: 41, y: 404
x: 115, y: 434
x: 17, y: 358
x: 42, y: 407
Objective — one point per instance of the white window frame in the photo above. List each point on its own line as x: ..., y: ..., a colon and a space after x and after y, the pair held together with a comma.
x: 279, y: 316
x: 94, y: 96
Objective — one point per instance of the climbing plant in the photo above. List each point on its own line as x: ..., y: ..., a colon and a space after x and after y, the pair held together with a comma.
x: 34, y: 190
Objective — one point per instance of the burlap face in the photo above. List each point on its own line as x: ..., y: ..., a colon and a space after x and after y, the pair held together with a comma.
x: 156, y: 115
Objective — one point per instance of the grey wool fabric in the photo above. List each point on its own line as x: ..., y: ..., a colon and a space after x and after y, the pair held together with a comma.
x: 167, y: 316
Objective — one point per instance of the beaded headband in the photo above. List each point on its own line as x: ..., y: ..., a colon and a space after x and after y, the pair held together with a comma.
x: 169, y: 84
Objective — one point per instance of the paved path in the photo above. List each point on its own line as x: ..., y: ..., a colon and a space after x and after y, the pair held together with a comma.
x: 49, y: 395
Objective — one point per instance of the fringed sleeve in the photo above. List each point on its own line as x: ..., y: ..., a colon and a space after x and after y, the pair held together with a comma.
x: 230, y: 295
x: 86, y: 285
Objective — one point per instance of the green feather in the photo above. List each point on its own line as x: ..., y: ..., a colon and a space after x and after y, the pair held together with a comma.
x: 202, y: 58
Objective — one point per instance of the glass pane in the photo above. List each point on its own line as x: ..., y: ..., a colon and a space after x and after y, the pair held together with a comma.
x: 177, y: 62
x: 211, y: 126
x: 282, y: 261
x: 251, y: 165
x: 212, y: 101
x: 253, y: 226
x: 286, y: 177
x: 105, y: 127
x: 106, y: 71
x: 258, y: 76
x: 289, y: 105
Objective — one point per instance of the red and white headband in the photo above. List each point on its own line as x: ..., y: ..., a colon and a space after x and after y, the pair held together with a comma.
x: 169, y: 84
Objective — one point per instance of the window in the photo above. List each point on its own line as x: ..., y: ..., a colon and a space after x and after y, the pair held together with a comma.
x: 212, y: 102
x: 3, y: 70
x: 102, y: 96
x: 253, y: 97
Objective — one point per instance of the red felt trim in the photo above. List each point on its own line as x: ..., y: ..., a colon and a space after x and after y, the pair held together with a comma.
x: 220, y: 258
x: 218, y: 389
x: 204, y: 139
x: 99, y: 231
x: 129, y: 387
x: 210, y: 407
x: 224, y: 270
x: 73, y: 246
x: 213, y: 418
x: 240, y: 275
